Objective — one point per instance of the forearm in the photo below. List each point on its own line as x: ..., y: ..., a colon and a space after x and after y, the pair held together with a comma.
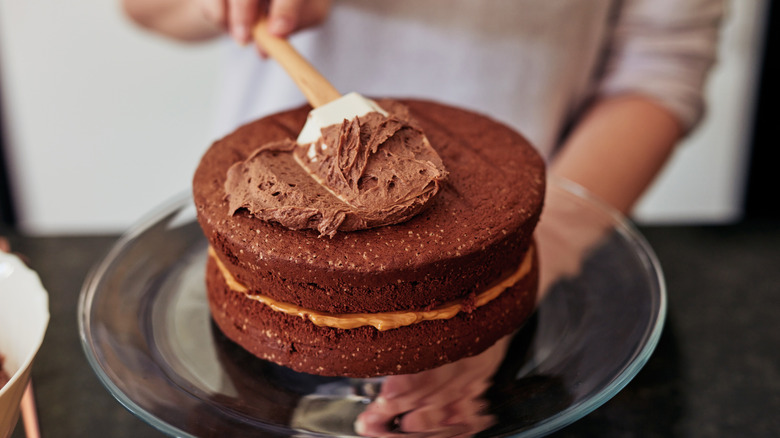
x: 180, y: 19
x: 618, y: 148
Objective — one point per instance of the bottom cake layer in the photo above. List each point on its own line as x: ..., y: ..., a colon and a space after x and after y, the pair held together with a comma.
x: 297, y: 343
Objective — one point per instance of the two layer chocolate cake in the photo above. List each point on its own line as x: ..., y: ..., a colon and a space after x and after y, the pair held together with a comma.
x: 411, y: 257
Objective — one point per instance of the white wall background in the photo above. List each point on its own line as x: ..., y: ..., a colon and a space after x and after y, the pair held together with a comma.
x: 106, y: 122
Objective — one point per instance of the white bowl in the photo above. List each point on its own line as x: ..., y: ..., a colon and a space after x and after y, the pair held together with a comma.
x: 24, y: 315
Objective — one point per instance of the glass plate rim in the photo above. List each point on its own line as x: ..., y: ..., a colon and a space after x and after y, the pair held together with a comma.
x: 626, y: 227
x: 84, y: 310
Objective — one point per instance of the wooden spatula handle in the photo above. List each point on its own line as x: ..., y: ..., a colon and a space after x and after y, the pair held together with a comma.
x: 313, y: 85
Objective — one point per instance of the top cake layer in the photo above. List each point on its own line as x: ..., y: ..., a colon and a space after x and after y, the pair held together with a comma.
x: 474, y: 231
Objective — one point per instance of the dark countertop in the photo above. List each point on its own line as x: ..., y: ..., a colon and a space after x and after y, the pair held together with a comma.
x: 715, y: 372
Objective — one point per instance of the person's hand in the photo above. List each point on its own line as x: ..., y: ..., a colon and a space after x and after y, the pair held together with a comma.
x: 444, y: 401
x: 237, y: 17
x: 4, y: 245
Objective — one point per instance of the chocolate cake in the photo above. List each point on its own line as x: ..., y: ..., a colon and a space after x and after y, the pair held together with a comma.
x: 442, y: 284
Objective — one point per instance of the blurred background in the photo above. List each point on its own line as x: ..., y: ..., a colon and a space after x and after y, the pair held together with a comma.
x: 102, y: 122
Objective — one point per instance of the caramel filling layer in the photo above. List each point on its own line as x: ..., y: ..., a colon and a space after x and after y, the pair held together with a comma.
x: 383, y: 320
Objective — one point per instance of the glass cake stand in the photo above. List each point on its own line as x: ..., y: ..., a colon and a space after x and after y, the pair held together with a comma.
x: 146, y: 331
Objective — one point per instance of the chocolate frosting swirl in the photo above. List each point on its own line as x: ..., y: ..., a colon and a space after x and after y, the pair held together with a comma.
x: 371, y: 171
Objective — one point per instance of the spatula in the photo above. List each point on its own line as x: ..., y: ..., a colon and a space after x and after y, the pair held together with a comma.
x: 330, y: 106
